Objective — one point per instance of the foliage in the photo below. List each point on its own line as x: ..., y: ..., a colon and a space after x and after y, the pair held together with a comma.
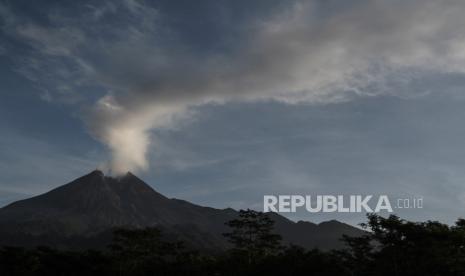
x: 391, y: 246
x: 252, y: 235
x: 394, y: 246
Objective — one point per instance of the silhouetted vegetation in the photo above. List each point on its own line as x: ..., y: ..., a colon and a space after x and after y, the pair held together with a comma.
x: 398, y: 247
x: 391, y: 246
x: 252, y: 236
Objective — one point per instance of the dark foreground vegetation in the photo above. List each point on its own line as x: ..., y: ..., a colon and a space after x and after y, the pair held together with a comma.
x: 392, y: 246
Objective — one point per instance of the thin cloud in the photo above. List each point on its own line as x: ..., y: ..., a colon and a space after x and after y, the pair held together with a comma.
x: 309, y: 52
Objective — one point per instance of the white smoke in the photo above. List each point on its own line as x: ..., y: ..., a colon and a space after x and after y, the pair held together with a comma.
x: 299, y: 54
x: 127, y: 133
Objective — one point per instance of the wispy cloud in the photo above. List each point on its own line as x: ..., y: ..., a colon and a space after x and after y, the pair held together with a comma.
x: 308, y: 51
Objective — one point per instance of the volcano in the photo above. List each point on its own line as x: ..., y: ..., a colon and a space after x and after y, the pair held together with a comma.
x: 83, y: 213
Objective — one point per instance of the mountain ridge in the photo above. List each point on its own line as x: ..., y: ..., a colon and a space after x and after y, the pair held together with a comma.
x: 95, y: 203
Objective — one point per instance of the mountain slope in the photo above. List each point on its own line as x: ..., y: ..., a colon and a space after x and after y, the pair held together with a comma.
x: 92, y: 205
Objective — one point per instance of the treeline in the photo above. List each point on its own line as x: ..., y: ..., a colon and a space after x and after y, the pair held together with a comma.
x: 391, y: 246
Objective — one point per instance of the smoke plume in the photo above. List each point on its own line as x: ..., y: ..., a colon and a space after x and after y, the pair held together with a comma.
x: 148, y: 73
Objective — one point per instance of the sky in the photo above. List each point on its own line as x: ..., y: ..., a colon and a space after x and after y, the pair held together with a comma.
x: 222, y: 102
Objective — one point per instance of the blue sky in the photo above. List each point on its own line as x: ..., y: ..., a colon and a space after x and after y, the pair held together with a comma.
x: 221, y: 102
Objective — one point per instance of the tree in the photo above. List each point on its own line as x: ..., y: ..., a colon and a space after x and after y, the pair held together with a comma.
x: 139, y: 251
x: 252, y: 235
x: 398, y: 247
x: 17, y: 261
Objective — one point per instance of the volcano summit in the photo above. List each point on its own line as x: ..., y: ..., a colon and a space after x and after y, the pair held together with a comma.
x: 83, y: 213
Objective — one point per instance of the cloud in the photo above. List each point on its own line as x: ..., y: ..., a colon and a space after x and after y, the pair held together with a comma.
x: 307, y: 51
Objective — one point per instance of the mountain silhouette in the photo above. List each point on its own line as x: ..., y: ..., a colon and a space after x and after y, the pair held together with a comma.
x: 83, y: 213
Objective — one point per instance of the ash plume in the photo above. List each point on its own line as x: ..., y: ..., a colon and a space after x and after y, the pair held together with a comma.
x: 148, y: 74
